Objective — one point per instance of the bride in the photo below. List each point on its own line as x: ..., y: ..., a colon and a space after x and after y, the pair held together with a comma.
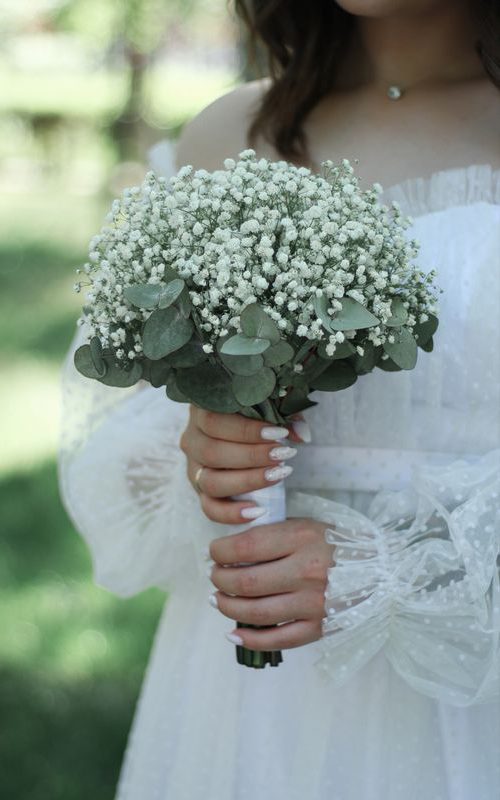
x: 385, y: 574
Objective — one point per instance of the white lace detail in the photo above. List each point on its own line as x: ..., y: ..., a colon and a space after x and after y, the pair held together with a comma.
x: 459, y: 186
x: 419, y: 575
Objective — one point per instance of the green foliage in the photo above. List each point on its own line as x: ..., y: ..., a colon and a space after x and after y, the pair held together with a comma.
x: 149, y: 296
x: 278, y: 354
x: 189, y: 355
x: 255, y: 323
x: 399, y: 313
x: 242, y: 365
x: 208, y: 386
x: 353, y: 316
x: 339, y: 375
x: 241, y: 345
x: 141, y: 23
x: 404, y: 349
x: 250, y: 390
x: 424, y: 331
x: 73, y: 655
x: 165, y: 331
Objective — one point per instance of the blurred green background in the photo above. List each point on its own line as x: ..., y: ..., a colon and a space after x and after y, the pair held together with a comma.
x: 87, y: 87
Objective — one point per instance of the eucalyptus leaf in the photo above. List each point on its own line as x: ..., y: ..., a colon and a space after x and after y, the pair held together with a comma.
x: 352, y: 316
x: 84, y: 363
x: 165, y: 331
x: 425, y: 330
x: 366, y: 363
x: 251, y: 413
x: 399, y: 313
x: 242, y: 345
x: 173, y: 392
x: 171, y: 292
x: 321, y: 306
x: 294, y: 402
x: 278, y: 354
x: 339, y: 375
x: 303, y: 350
x: 270, y: 413
x: 209, y: 387
x: 250, y: 390
x: 159, y: 372
x: 121, y: 377
x: 143, y: 295
x: 184, y: 303
x: 189, y: 355
x: 96, y: 354
x: 256, y: 323
x: 404, y: 349
x: 314, y: 367
x: 388, y: 365
x: 428, y: 346
x: 242, y: 365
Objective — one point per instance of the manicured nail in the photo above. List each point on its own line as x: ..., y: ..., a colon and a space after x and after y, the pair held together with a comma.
x: 252, y: 512
x: 206, y: 554
x: 209, y: 571
x: 302, y: 430
x: 212, y: 599
x: 274, y: 433
x: 282, y: 453
x: 277, y: 473
x: 233, y: 638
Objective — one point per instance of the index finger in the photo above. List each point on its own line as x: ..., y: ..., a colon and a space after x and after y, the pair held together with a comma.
x: 236, y: 427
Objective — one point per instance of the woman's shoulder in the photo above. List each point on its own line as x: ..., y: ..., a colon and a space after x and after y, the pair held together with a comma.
x: 219, y: 131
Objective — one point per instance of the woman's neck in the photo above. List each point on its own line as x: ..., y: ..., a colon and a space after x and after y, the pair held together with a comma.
x: 409, y: 49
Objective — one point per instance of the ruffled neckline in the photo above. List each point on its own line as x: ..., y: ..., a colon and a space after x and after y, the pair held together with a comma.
x: 457, y: 186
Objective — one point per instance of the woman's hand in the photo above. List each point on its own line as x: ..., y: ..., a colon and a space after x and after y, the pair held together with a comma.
x: 237, y: 455
x: 286, y: 584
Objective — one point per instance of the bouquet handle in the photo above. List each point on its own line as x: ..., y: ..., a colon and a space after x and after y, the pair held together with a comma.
x: 273, y: 499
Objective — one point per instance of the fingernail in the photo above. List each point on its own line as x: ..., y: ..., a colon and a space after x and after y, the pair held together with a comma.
x: 206, y: 554
x: 233, y: 638
x: 277, y: 473
x: 274, y: 433
x: 212, y: 599
x: 282, y: 453
x: 302, y: 430
x: 252, y: 512
x: 209, y: 571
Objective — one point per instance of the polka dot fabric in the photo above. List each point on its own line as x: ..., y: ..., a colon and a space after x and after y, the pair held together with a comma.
x: 401, y: 696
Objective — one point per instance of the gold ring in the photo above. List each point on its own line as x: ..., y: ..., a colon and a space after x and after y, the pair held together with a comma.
x: 197, y: 479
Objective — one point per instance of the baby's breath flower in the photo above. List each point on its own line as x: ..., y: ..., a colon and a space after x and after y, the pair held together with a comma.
x: 256, y: 230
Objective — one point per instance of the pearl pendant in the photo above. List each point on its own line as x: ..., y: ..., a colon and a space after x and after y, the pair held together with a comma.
x: 394, y: 92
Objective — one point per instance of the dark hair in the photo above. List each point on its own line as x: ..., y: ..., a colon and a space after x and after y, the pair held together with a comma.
x: 304, y: 42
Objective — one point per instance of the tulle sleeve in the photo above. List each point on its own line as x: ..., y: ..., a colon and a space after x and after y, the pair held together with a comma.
x: 418, y: 577
x: 123, y: 482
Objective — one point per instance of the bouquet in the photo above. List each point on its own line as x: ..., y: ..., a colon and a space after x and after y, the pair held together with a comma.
x: 245, y: 289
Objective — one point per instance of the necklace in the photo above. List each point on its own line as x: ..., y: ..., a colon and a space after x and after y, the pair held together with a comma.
x: 395, y: 92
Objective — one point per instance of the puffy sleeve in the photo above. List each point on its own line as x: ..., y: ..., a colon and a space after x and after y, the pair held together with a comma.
x: 123, y: 483
x: 418, y: 577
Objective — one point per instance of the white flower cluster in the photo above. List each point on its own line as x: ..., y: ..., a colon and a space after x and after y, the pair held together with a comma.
x: 257, y: 230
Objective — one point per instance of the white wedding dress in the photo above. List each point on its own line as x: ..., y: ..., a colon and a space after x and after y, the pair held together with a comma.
x: 401, y: 696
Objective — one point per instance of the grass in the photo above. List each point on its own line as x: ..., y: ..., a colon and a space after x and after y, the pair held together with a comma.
x: 73, y: 655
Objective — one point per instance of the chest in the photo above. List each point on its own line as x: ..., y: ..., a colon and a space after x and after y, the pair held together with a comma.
x: 422, y: 133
